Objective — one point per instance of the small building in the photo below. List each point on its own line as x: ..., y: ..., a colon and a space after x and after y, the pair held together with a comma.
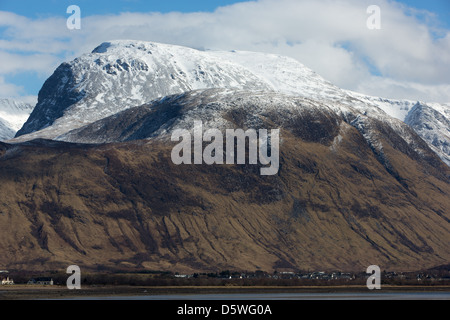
x: 6, y: 281
x: 41, y: 281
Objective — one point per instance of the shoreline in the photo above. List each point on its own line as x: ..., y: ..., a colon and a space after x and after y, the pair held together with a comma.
x: 35, y: 292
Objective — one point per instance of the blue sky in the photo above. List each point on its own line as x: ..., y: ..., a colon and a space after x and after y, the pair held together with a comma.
x: 30, y: 55
x: 440, y: 7
x: 43, y: 8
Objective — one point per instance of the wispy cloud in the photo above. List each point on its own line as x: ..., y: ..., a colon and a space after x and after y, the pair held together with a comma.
x: 330, y: 37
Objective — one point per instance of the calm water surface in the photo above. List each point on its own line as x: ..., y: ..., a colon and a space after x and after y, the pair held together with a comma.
x: 288, y: 296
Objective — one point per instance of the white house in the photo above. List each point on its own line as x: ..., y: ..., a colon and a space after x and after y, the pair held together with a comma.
x: 7, y: 281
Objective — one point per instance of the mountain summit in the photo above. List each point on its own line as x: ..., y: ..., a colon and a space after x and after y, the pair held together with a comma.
x: 121, y: 74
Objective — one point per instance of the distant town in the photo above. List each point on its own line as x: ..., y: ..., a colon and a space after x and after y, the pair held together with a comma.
x: 225, y: 278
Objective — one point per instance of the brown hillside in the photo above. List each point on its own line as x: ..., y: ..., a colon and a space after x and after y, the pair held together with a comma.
x: 332, y: 206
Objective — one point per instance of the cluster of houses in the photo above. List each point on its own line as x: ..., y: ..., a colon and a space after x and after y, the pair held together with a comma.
x: 41, y: 281
x: 317, y: 275
x: 6, y: 280
x: 320, y: 275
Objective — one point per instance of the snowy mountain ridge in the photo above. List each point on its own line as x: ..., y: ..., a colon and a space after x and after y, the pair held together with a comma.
x: 122, y: 74
x: 430, y: 120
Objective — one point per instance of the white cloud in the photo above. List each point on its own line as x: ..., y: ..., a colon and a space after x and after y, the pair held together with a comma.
x: 39, y: 63
x: 382, y: 87
x: 8, y: 89
x: 330, y: 37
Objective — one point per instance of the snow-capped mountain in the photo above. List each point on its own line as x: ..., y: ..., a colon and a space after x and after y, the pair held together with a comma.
x: 430, y: 120
x: 351, y: 176
x: 433, y: 126
x: 122, y: 74
x: 119, y: 75
x: 13, y: 114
